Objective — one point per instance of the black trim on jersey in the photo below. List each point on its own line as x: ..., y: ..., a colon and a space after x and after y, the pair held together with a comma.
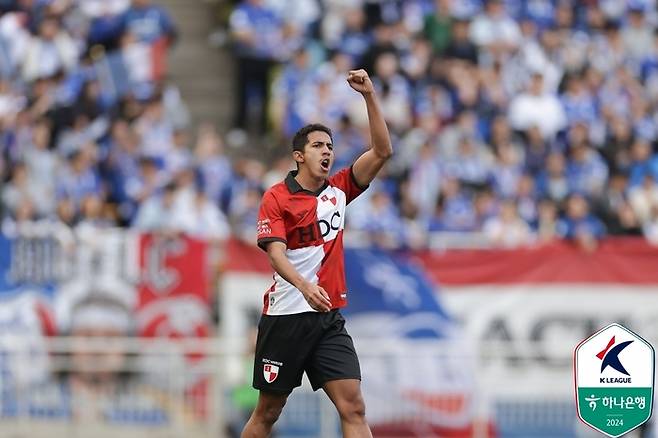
x: 295, y: 187
x: 262, y: 243
x: 355, y: 181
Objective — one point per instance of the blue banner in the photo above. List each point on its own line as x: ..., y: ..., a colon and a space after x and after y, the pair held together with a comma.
x: 386, y: 286
x: 29, y: 264
x: 422, y: 363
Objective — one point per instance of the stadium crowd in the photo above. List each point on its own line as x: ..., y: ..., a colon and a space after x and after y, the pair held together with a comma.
x: 91, y: 133
x: 523, y: 121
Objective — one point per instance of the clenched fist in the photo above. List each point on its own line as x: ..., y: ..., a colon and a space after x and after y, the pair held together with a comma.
x: 359, y: 80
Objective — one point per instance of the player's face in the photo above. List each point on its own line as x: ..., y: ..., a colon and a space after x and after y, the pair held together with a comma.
x: 318, y: 154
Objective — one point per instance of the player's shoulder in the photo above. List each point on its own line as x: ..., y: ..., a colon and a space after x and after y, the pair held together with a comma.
x: 342, y: 178
x: 277, y: 191
x: 342, y: 173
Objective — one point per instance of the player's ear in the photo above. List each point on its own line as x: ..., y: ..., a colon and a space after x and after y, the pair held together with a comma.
x: 298, y: 156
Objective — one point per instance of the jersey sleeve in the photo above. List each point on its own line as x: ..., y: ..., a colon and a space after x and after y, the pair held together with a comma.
x: 270, y: 227
x: 345, y: 181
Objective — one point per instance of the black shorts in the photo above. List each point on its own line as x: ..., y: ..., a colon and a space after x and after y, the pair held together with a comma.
x: 311, y: 342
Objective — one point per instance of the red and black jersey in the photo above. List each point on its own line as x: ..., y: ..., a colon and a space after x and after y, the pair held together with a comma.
x: 311, y: 225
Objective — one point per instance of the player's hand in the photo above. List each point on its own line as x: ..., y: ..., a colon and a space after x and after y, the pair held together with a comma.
x: 360, y: 81
x: 316, y: 297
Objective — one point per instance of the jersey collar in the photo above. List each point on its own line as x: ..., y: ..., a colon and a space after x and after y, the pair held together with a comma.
x: 294, y: 187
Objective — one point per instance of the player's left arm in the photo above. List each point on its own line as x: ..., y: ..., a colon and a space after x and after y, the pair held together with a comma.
x: 367, y: 166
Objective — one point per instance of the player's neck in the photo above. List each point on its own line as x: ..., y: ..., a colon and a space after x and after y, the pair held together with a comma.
x: 308, y: 182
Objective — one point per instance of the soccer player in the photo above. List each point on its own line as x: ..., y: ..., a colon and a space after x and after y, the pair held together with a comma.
x: 300, y: 225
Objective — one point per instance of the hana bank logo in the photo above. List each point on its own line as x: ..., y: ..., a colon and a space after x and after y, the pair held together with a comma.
x: 610, y: 356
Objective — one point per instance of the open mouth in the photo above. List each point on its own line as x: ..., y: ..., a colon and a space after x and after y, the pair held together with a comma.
x: 325, y: 164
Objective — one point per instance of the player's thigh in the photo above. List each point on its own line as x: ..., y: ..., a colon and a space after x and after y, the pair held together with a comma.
x: 345, y: 394
x: 334, y: 357
x: 270, y: 405
x: 282, y: 349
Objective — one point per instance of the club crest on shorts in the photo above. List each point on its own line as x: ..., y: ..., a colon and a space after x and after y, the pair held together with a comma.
x: 271, y: 372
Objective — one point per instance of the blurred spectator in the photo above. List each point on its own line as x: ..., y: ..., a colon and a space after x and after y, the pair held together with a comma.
x: 285, y: 93
x: 42, y: 163
x: 155, y: 130
x: 147, y: 22
x: 158, y: 212
x: 625, y: 222
x: 552, y: 180
x: 507, y: 229
x: 438, y: 25
x: 643, y: 198
x: 454, y: 209
x: 537, y: 107
x: 650, y: 227
x: 452, y: 135
x: 471, y: 164
x: 146, y: 183
x: 643, y: 163
x: 210, y: 222
x: 494, y: 30
x: 213, y: 166
x: 259, y: 36
x: 244, y: 214
x: 79, y: 178
x: 23, y: 190
x: 94, y: 214
x: 460, y: 46
x: 393, y: 91
x: 586, y: 171
x: 179, y: 157
x: 425, y: 180
x: 49, y: 52
x: 383, y: 224
x: 506, y: 170
x: 579, y: 225
x: 547, y: 224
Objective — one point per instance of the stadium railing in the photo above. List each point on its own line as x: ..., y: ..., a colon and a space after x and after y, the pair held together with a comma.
x: 139, y: 387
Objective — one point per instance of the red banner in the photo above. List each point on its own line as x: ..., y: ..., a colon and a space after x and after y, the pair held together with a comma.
x: 174, y: 295
x: 617, y: 260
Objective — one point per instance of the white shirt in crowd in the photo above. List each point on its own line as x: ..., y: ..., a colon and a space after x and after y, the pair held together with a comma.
x: 544, y: 111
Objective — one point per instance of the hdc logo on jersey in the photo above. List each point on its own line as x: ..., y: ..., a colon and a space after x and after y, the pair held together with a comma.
x: 319, y: 229
x: 614, y: 376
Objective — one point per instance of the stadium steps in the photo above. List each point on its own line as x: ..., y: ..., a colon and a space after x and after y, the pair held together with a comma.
x: 202, y: 73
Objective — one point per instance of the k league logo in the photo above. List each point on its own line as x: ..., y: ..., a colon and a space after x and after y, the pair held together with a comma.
x: 610, y: 357
x: 614, y: 376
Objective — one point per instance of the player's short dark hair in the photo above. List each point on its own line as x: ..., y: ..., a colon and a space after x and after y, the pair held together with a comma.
x: 301, y: 137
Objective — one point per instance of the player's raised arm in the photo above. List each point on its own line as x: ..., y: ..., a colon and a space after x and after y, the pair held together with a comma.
x: 368, y: 165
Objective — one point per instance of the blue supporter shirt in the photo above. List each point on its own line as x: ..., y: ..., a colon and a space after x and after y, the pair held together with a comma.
x: 571, y: 228
x: 148, y: 24
x: 355, y: 44
x: 579, y: 109
x: 541, y: 12
x: 457, y: 215
x: 639, y: 169
x: 76, y: 186
x: 264, y: 25
x: 587, y: 176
